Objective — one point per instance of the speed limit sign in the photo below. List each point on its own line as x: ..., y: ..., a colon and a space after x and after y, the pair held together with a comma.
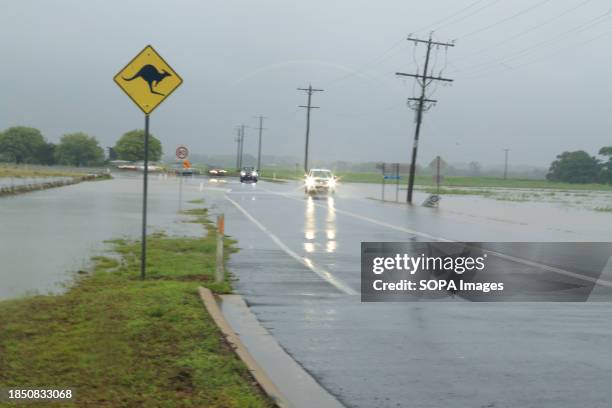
x: 182, y: 152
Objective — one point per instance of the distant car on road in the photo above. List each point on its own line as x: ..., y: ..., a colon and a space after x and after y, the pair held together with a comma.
x: 320, y: 180
x: 217, y: 172
x: 248, y: 174
x: 184, y: 171
x: 152, y: 167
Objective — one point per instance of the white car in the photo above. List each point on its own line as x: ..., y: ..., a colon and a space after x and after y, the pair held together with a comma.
x: 320, y: 180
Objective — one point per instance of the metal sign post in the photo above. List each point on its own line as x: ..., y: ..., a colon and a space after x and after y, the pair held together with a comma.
x: 181, y: 154
x: 383, y: 182
x: 397, y: 180
x: 145, y: 185
x: 390, y: 171
x: 148, y: 80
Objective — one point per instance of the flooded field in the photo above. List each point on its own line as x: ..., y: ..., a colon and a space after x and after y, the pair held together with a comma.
x: 550, y: 215
x: 24, y: 181
x: 46, y: 236
x: 49, y: 235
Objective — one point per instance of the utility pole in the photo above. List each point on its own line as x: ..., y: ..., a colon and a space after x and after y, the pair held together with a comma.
x: 241, y: 145
x: 418, y: 104
x: 261, y: 118
x: 506, y: 163
x: 237, y: 140
x: 308, y: 107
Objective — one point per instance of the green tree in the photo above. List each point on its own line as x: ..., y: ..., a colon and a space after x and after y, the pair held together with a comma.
x: 606, y: 170
x: 46, y: 154
x: 575, y: 167
x: 79, y: 149
x: 21, y: 144
x: 131, y: 146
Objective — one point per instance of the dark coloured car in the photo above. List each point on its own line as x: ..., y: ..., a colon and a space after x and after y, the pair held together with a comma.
x: 184, y: 171
x: 248, y: 174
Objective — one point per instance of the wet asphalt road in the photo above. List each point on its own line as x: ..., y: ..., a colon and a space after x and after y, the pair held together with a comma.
x: 299, y: 270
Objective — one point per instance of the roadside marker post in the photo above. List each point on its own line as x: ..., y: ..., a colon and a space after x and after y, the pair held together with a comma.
x: 219, y: 271
x: 148, y: 80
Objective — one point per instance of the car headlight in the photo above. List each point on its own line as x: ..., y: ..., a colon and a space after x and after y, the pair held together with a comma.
x: 331, y: 182
x: 310, y: 182
x: 243, y: 173
x: 255, y: 174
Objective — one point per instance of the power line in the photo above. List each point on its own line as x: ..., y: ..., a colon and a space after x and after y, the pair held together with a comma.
x: 527, y: 31
x: 429, y: 26
x: 388, y: 53
x: 370, y: 63
x: 468, y: 15
x: 533, y: 61
x: 308, y: 107
x: 504, y: 20
x: 517, y: 54
x: 419, y: 104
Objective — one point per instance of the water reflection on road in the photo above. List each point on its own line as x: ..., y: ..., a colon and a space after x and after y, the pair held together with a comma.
x: 45, y: 235
x: 310, y: 226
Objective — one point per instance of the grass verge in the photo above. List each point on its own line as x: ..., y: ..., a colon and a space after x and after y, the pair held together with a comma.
x: 119, y: 341
x: 449, y: 181
x: 36, y: 171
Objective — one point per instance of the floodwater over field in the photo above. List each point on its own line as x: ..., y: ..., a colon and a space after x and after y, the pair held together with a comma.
x: 550, y: 215
x: 45, y: 236
x: 24, y: 181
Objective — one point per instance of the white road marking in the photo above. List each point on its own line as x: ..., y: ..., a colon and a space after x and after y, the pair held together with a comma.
x: 497, y: 254
x: 607, y: 273
x: 327, y: 276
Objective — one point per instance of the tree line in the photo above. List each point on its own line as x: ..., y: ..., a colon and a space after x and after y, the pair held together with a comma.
x: 581, y: 167
x: 27, y: 145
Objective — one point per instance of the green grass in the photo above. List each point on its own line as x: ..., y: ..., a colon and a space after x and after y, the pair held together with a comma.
x: 26, y: 171
x: 421, y: 180
x: 604, y: 209
x: 119, y: 341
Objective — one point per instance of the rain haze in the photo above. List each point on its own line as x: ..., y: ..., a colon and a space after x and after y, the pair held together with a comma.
x: 527, y: 74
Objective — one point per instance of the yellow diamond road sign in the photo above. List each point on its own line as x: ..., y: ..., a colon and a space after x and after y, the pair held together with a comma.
x: 148, y: 80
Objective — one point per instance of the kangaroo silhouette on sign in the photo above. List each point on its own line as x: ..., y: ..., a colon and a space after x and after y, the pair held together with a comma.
x: 151, y: 76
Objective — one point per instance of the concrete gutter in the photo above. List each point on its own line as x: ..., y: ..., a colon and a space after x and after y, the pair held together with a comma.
x: 256, y: 371
x: 270, y: 365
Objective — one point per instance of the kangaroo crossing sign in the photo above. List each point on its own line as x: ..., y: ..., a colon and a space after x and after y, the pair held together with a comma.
x: 148, y: 80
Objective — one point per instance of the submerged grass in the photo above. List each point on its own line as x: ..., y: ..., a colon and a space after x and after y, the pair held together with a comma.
x: 119, y: 341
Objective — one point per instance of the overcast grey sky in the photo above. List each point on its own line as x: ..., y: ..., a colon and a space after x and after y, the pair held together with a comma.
x: 530, y: 75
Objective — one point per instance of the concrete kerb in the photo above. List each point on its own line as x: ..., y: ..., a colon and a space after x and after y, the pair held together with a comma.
x: 258, y: 373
